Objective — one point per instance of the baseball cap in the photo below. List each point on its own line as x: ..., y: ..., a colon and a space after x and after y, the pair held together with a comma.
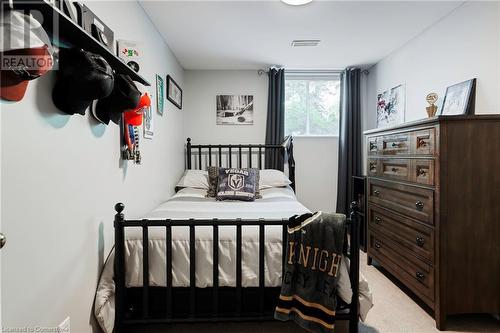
x: 134, y: 117
x: 25, y: 53
x: 125, y: 96
x: 82, y: 77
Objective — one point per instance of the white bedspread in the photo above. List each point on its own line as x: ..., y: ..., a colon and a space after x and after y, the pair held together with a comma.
x: 276, y: 203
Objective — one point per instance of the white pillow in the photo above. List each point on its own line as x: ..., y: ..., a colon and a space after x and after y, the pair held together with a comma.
x: 270, y: 178
x: 194, y: 179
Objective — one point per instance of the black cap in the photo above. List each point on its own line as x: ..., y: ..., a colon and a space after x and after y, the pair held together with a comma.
x: 125, y: 96
x: 82, y: 77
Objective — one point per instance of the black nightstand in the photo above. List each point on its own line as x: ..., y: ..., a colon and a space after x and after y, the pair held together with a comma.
x: 359, y: 195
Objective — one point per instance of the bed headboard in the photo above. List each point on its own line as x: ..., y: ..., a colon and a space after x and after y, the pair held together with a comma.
x: 238, y: 156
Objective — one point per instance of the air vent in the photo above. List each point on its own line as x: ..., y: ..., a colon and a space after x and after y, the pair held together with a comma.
x: 305, y: 42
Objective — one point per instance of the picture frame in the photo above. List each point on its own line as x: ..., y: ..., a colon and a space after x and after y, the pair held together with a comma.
x: 234, y: 109
x: 460, y: 99
x: 174, y: 92
x: 160, y: 93
x: 391, y: 107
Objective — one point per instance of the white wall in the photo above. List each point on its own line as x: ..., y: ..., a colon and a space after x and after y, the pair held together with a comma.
x: 201, y: 88
x: 62, y: 175
x: 463, y: 45
x: 316, y: 173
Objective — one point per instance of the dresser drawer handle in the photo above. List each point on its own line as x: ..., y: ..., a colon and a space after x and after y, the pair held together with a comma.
x: 372, y: 146
x: 420, y: 276
x: 420, y: 241
x: 395, y: 145
x: 376, y: 192
x: 419, y: 205
x: 421, y: 172
x: 394, y: 170
x: 422, y: 143
x: 378, y: 220
x: 377, y: 245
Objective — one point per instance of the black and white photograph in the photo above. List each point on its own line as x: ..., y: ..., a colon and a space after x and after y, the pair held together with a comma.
x: 234, y: 109
x: 459, y: 98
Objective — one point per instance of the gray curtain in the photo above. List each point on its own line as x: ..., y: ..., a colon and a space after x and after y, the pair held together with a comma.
x: 275, y: 129
x: 349, y: 136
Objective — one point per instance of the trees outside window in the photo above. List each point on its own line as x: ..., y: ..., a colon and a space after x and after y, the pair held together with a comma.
x: 312, y: 106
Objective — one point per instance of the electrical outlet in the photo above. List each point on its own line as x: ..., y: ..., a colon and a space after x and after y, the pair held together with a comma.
x: 64, y: 327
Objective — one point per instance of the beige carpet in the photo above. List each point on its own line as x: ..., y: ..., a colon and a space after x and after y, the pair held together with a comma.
x: 393, y: 312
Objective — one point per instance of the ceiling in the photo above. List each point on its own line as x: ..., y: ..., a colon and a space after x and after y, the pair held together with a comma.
x: 256, y: 34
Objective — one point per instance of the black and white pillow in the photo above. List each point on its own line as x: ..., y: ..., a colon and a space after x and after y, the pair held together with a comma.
x: 237, y: 184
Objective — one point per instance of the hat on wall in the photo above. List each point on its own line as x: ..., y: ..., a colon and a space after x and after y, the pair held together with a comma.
x: 25, y: 53
x: 82, y: 77
x: 125, y: 96
x: 134, y: 117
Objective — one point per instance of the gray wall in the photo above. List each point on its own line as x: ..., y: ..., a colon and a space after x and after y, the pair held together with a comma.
x: 463, y: 45
x: 61, y: 176
x: 316, y: 158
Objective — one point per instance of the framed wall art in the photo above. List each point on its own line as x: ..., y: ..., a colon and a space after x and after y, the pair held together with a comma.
x: 234, y: 109
x: 174, y: 92
x: 391, y: 105
x: 159, y: 94
x: 460, y: 98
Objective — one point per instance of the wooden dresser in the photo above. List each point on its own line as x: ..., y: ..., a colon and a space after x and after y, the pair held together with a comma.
x: 434, y: 210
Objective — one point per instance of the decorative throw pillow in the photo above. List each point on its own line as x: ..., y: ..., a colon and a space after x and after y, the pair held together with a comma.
x: 194, y: 179
x: 213, y: 179
x: 237, y: 184
x: 270, y: 178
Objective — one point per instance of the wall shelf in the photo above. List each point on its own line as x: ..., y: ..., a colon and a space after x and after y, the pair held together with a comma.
x: 61, y: 27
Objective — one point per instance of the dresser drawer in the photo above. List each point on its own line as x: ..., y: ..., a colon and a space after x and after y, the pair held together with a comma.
x: 397, y: 169
x: 413, y: 272
x: 412, y: 201
x: 372, y: 168
x: 423, y: 171
x: 424, y: 142
x: 415, y: 236
x: 395, y: 144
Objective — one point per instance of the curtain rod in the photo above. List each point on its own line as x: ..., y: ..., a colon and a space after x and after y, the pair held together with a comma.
x: 312, y: 71
x: 305, y: 71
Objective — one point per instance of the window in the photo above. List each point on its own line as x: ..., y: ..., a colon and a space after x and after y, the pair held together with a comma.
x: 312, y: 103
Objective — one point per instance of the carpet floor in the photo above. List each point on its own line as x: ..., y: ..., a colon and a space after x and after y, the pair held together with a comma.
x: 394, y: 311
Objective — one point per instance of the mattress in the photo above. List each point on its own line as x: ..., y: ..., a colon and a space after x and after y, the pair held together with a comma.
x: 276, y: 203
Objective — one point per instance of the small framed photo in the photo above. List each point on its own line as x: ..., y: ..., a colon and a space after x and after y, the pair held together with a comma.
x: 159, y: 94
x: 174, y: 92
x: 460, y: 99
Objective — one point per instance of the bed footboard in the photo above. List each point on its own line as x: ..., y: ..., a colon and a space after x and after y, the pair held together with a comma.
x: 261, y: 313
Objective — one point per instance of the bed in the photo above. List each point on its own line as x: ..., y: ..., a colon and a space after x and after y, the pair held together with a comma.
x: 233, y: 271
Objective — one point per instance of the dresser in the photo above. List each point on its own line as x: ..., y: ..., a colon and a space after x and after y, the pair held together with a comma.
x: 433, y: 210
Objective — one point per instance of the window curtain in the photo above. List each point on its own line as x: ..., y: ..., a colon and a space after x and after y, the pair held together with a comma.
x: 349, y: 136
x: 275, y: 128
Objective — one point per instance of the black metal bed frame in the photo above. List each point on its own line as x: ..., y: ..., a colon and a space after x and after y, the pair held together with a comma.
x: 126, y: 315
